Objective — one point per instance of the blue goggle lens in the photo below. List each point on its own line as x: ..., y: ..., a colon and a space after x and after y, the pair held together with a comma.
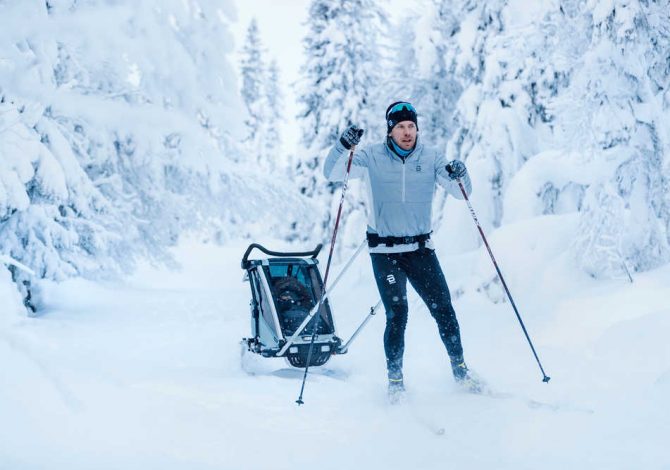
x: 401, y: 106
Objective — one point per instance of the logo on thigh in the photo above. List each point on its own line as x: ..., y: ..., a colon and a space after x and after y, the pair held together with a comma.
x: 391, y: 279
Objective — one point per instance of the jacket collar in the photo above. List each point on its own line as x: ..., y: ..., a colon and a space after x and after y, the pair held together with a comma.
x: 389, y: 148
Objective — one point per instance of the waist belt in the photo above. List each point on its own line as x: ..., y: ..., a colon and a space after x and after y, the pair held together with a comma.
x: 375, y: 240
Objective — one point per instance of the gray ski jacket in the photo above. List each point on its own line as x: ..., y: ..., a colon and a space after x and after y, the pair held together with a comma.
x: 400, y: 192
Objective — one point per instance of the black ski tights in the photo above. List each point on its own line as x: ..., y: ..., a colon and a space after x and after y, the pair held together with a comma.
x: 422, y: 269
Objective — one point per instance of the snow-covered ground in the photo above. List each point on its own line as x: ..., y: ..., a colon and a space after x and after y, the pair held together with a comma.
x: 146, y: 373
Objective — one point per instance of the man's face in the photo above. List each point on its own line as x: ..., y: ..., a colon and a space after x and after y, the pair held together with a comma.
x: 404, y: 134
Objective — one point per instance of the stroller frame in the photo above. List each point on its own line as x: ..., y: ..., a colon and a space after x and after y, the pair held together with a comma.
x: 270, y: 336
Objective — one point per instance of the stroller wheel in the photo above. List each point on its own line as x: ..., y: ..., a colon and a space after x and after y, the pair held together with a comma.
x: 300, y: 360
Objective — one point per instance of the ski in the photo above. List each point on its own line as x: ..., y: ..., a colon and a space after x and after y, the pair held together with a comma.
x: 538, y: 405
x: 402, y: 402
x: 484, y: 390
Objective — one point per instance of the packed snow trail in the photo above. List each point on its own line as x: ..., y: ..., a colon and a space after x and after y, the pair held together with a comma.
x: 146, y: 374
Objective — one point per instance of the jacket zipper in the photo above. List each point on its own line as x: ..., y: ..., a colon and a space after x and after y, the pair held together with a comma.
x: 403, y: 181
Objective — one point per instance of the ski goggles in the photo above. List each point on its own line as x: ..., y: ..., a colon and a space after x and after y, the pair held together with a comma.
x: 400, y: 107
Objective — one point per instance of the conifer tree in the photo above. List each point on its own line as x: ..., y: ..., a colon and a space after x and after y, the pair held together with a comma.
x: 424, y: 74
x: 253, y: 70
x: 585, y: 79
x: 107, y: 154
x: 341, y: 78
x: 424, y: 64
x: 274, y: 115
x: 262, y: 96
x: 508, y: 73
x: 617, y: 90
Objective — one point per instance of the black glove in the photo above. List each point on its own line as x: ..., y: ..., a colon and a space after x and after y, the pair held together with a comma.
x: 456, y: 169
x: 351, y: 137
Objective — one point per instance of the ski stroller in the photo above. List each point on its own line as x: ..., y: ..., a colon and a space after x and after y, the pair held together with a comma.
x: 286, y: 292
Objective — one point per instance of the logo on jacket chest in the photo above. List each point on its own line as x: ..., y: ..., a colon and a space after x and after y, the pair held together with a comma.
x: 418, y: 167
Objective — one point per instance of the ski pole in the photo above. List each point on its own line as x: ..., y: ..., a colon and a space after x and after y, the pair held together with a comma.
x: 545, y: 378
x: 325, y: 277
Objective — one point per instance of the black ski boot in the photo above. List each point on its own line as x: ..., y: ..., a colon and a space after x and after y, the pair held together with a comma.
x: 464, y: 377
x: 396, y: 390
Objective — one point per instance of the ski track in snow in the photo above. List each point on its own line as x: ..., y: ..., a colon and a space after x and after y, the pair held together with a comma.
x: 146, y: 374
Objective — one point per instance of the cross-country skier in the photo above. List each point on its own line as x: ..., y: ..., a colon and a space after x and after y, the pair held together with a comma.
x: 401, y: 174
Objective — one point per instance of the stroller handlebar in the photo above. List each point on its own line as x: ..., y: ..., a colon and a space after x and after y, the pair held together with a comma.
x: 245, y: 261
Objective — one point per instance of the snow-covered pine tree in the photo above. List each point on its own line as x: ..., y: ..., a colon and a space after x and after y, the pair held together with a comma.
x: 580, y: 78
x: 405, y: 51
x: 507, y: 56
x: 626, y: 136
x: 253, y: 71
x: 659, y: 83
x: 274, y: 97
x: 262, y: 96
x: 112, y: 141
x: 424, y: 62
x: 341, y: 82
x: 424, y: 68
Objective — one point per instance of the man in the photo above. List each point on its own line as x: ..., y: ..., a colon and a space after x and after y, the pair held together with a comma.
x: 401, y: 174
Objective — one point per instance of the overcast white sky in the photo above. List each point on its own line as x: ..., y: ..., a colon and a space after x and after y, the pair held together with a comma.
x: 281, y: 24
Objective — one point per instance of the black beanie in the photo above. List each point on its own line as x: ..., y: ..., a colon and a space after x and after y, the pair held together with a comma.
x: 406, y: 112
